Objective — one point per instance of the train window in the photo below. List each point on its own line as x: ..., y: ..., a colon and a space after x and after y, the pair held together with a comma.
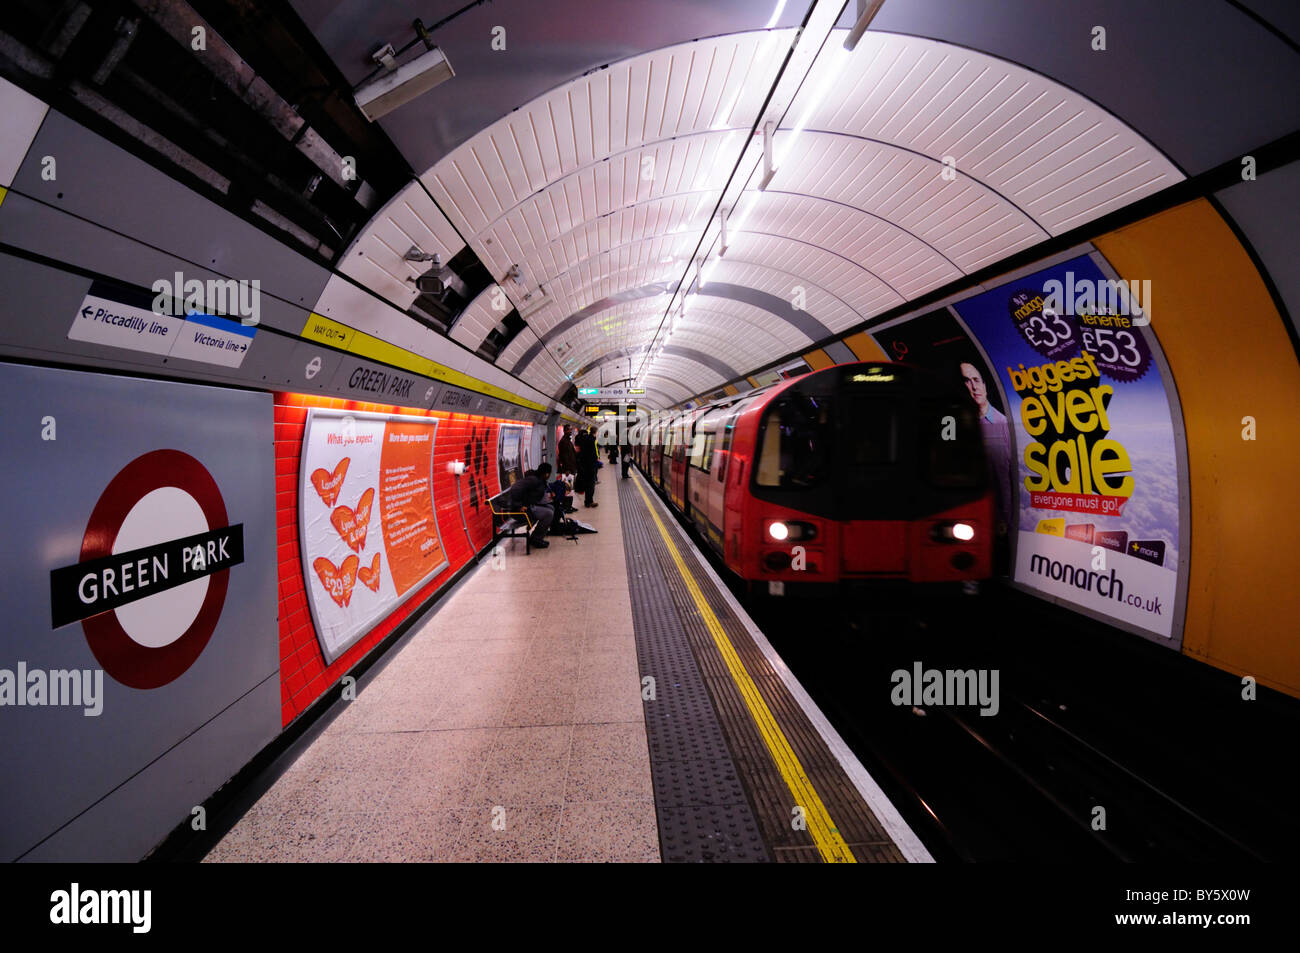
x: 700, y: 451
x: 870, y: 432
x: 795, y: 443
x: 706, y: 454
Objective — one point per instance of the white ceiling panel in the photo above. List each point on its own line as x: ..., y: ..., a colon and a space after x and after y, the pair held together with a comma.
x: 483, y: 314
x: 377, y: 257
x: 1017, y: 132
x: 901, y: 167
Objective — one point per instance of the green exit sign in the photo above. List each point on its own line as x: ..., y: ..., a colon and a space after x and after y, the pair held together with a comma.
x: 588, y: 391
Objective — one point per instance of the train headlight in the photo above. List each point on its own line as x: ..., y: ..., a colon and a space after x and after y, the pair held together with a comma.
x: 794, y: 531
x: 952, y: 532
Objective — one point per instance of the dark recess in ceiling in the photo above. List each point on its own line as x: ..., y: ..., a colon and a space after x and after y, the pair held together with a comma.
x: 164, y: 87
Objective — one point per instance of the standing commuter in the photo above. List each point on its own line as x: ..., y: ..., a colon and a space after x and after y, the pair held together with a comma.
x: 566, y: 456
x: 587, y: 460
x: 627, y: 459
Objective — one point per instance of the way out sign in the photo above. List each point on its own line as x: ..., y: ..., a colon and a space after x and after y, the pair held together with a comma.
x: 152, y: 578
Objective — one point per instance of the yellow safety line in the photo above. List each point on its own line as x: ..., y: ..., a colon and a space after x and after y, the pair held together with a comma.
x: 823, y: 830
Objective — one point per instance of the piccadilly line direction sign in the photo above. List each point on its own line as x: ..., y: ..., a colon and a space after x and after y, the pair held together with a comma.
x: 117, y: 317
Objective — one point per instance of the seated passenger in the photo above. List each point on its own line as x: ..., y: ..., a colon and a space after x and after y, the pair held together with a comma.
x: 531, y: 494
x: 561, y: 497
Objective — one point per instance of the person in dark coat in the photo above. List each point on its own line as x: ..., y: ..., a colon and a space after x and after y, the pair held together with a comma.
x: 627, y: 458
x: 566, y: 455
x: 587, y: 459
x: 531, y: 494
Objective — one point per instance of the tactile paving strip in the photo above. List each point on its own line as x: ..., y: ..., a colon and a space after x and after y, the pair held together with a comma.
x: 763, y: 784
x: 704, y: 814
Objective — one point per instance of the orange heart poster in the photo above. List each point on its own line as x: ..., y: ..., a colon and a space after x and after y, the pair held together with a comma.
x: 375, y: 542
x: 352, y: 524
x: 337, y: 580
x: 369, y: 575
x: 329, y: 484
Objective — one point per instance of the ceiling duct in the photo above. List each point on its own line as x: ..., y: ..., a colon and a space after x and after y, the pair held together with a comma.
x: 178, y: 20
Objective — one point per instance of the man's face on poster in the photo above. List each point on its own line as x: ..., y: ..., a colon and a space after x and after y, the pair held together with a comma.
x: 975, y: 384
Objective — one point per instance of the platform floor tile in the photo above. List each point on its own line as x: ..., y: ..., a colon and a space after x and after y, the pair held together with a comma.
x: 508, y: 727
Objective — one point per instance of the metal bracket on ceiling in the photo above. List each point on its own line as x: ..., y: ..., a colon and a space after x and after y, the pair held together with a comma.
x: 769, y: 130
x: 385, y: 56
x: 423, y: 32
x: 867, y: 10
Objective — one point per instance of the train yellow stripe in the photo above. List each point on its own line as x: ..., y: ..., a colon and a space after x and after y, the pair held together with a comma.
x: 824, y: 833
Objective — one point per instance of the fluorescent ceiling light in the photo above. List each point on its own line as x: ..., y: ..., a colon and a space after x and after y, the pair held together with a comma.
x: 776, y: 14
x: 830, y: 72
x: 762, y: 57
x: 706, y: 270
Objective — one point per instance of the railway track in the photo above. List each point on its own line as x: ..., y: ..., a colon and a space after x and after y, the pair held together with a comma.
x: 1105, y: 748
x: 1075, y: 766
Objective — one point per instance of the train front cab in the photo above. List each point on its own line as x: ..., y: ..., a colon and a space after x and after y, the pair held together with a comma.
x: 862, y: 472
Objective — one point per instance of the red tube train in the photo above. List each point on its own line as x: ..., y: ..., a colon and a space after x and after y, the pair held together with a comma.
x: 856, y: 472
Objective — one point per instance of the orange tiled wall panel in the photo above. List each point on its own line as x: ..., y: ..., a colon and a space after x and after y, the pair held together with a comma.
x: 1228, y: 349
x: 304, y: 676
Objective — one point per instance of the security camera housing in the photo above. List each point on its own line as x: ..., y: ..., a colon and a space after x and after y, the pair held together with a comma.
x: 430, y: 284
x: 386, y: 92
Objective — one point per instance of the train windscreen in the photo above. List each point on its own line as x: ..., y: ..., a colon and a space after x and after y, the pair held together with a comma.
x: 952, y: 442
x: 796, y: 443
x: 881, y: 442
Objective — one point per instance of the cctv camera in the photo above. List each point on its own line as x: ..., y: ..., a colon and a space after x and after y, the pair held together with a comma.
x: 430, y: 284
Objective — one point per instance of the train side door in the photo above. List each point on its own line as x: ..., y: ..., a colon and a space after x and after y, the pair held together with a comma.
x: 718, y: 473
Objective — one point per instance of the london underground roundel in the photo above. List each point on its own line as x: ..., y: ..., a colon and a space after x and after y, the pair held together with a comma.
x: 153, y: 574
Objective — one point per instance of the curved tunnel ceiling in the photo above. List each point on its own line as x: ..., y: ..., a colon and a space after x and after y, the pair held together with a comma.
x: 601, y: 189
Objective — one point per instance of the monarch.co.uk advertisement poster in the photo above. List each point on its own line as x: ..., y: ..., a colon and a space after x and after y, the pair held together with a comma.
x: 1097, y: 472
x: 368, y: 533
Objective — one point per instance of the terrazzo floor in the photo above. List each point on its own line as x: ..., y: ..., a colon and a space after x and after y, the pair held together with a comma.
x: 508, y: 728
